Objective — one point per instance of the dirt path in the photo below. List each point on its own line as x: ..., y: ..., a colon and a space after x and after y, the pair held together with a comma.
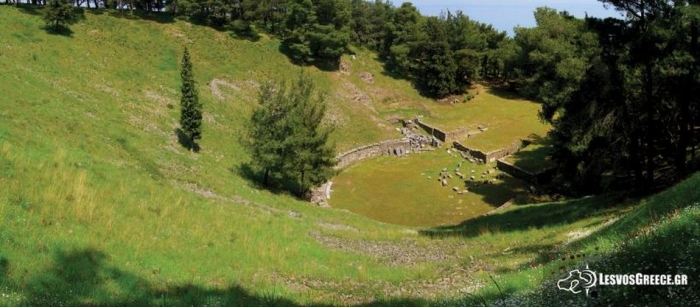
x: 215, y: 85
x: 402, y: 253
x: 454, y: 279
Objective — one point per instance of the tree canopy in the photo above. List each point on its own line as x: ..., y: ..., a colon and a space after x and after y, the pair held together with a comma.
x: 59, y: 13
x: 621, y: 94
x: 287, y: 139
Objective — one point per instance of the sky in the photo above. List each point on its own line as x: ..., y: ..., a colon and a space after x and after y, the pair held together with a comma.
x: 504, y: 15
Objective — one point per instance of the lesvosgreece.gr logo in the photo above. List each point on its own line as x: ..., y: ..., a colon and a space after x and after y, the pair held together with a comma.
x: 583, y: 280
x: 578, y: 280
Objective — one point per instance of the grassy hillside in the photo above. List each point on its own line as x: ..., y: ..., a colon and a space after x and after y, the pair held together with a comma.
x: 660, y: 236
x: 91, y: 166
x: 100, y: 205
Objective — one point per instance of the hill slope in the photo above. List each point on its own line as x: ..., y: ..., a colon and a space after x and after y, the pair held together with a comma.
x: 91, y: 166
x: 100, y: 205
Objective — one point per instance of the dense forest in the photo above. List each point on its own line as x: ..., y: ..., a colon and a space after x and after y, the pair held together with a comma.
x: 621, y: 93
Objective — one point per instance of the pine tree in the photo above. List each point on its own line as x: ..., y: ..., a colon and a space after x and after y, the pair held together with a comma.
x: 311, y: 157
x: 191, y: 108
x: 436, y: 68
x: 299, y: 22
x: 286, y: 138
x: 59, y: 13
x: 268, y: 131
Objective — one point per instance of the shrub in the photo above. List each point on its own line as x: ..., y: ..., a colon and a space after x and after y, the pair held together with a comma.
x: 468, y: 98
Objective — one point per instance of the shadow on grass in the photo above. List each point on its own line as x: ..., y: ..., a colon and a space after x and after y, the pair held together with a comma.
x: 286, y: 48
x: 532, y: 216
x: 59, y: 30
x: 504, y: 91
x: 275, y: 184
x: 4, y: 268
x: 644, y: 241
x: 251, y: 36
x: 145, y: 165
x: 247, y: 172
x: 185, y: 141
x: 659, y: 237
x: 82, y: 278
x: 536, y: 156
x: 29, y: 9
x: 496, y: 194
x: 668, y: 249
x: 159, y: 17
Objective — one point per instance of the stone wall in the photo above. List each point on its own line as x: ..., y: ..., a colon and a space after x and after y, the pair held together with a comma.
x: 501, y: 207
x: 398, y: 147
x: 474, y: 153
x: 439, y: 134
x: 459, y: 134
x: 516, y: 171
x: 491, y: 156
x: 494, y: 155
x: 541, y: 177
x: 321, y: 194
x: 444, y: 136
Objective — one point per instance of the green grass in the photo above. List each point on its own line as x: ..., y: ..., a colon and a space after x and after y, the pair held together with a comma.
x: 507, y: 117
x: 100, y: 205
x: 535, y: 157
x: 658, y: 237
x: 408, y: 187
x: 94, y: 164
x: 403, y: 187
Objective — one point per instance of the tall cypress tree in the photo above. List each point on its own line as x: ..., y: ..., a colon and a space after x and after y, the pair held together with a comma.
x: 190, y: 107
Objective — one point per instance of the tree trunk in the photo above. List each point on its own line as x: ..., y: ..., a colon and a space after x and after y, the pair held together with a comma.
x: 692, y: 137
x: 651, y: 124
x: 266, y: 177
x: 685, y: 114
x: 273, y: 18
x: 301, y: 185
x: 636, y: 163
